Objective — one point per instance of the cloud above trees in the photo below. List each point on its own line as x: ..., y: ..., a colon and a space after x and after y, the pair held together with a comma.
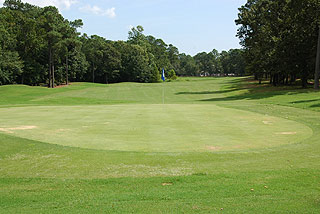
x: 110, y: 12
x: 67, y: 4
x: 61, y: 4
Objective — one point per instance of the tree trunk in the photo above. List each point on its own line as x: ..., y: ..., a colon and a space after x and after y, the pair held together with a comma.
x: 304, y: 80
x: 52, y: 85
x: 317, y: 72
x: 93, y: 72
x: 67, y: 81
x: 50, y: 67
x: 275, y: 79
x: 293, y: 78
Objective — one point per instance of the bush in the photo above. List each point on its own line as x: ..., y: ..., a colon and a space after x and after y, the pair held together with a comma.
x: 171, y: 74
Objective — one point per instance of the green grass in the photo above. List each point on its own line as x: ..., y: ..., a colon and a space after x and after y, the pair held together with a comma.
x: 151, y: 127
x: 216, y: 142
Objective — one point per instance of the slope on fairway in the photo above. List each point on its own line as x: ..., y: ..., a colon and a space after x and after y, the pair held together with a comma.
x: 151, y: 127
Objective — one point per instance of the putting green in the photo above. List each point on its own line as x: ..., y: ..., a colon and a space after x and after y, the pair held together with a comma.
x: 151, y: 128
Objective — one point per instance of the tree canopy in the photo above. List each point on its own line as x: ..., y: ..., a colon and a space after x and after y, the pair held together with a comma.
x: 39, y: 46
x: 280, y: 38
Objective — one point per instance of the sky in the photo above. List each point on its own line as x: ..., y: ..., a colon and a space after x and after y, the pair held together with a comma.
x: 192, y: 26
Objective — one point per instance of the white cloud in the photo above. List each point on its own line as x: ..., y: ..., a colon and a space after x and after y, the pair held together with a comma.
x: 111, y: 12
x: 61, y: 4
x: 1, y: 3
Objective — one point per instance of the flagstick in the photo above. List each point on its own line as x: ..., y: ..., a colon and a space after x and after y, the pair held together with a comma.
x: 163, y: 82
x: 163, y: 93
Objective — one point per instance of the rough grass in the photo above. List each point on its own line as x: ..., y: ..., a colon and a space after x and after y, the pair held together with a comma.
x: 38, y: 177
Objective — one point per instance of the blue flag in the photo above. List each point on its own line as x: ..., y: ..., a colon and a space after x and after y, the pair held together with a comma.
x: 162, y: 76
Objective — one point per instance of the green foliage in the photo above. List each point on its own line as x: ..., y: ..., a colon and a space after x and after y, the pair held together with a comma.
x: 50, y: 50
x: 280, y: 38
x: 171, y: 74
x: 10, y: 66
x: 213, y: 64
x: 232, y: 62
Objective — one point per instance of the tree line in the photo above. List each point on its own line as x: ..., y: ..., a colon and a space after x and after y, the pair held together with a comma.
x: 280, y: 39
x: 39, y: 46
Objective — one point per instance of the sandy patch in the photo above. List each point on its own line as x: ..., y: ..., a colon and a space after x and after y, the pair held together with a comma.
x: 10, y: 130
x: 237, y: 147
x: 267, y: 122
x: 51, y: 156
x: 63, y: 85
x: 287, y: 133
x: 167, y: 184
x: 213, y: 148
x: 62, y: 130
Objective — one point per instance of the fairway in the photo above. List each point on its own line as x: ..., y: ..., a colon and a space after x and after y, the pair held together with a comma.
x: 151, y: 127
x: 215, y: 143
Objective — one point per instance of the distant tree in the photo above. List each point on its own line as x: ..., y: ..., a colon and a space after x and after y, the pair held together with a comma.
x: 171, y: 74
x: 188, y: 66
x: 69, y: 44
x: 10, y: 66
x: 104, y: 59
x: 173, y: 56
x: 136, y: 36
x: 317, y: 71
x: 136, y: 65
x: 205, y: 62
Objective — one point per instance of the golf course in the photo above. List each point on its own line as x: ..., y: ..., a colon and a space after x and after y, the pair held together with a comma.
x: 194, y: 145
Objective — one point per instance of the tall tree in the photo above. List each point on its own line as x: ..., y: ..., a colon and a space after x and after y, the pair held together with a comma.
x: 279, y: 38
x: 53, y: 25
x: 317, y: 72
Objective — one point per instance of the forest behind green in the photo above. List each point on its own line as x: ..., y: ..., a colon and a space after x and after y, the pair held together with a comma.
x: 38, y: 46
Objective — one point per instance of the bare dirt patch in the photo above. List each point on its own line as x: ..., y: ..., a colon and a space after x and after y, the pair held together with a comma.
x: 287, y: 133
x: 167, y: 184
x: 63, y: 85
x: 62, y: 130
x: 213, y: 148
x: 267, y: 122
x: 10, y: 130
x: 237, y: 147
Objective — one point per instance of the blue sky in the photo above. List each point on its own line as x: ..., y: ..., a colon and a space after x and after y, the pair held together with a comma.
x: 191, y: 25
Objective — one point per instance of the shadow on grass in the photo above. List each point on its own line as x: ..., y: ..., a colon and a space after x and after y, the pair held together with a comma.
x: 254, y: 91
x: 210, y: 92
x: 233, y: 85
x: 306, y: 101
x: 315, y: 106
x: 250, y: 96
